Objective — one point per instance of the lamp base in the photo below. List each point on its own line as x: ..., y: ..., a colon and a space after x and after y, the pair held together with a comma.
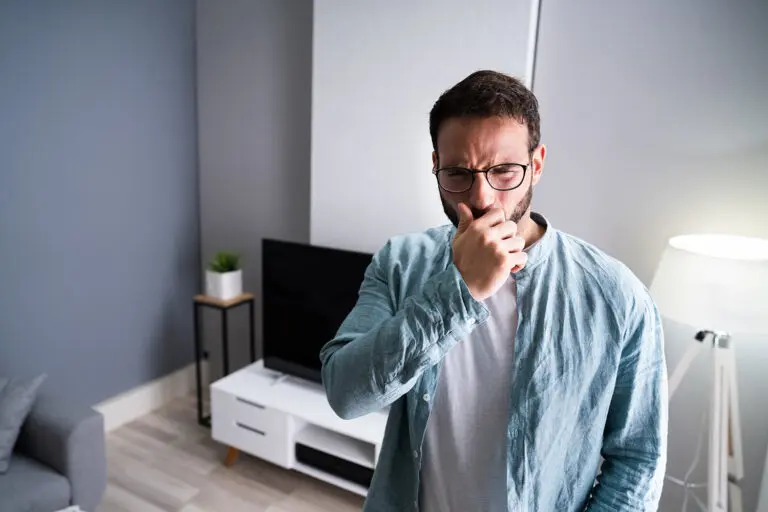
x: 725, y: 465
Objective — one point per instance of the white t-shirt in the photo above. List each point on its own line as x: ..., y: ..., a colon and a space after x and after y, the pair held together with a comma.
x: 465, y: 454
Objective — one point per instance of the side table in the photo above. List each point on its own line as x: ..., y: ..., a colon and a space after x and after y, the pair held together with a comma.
x: 223, y: 306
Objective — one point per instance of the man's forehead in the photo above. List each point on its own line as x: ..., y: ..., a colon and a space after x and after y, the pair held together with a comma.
x: 460, y: 138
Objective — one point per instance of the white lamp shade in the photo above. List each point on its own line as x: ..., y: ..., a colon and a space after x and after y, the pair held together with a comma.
x: 714, y: 282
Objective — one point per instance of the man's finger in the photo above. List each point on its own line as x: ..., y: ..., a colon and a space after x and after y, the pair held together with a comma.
x: 514, y: 244
x: 506, y: 229
x: 491, y: 218
x: 517, y: 261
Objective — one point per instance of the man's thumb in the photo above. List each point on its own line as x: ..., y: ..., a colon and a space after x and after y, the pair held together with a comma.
x: 465, y: 217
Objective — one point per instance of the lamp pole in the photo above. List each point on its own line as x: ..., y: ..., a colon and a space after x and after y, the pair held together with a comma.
x: 726, y: 466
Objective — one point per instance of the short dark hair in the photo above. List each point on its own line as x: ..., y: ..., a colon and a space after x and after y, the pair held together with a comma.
x: 488, y: 94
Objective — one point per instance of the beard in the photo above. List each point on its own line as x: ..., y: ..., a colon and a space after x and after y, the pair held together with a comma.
x: 515, y: 216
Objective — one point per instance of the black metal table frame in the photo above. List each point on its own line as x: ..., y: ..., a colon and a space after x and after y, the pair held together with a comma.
x: 206, y: 420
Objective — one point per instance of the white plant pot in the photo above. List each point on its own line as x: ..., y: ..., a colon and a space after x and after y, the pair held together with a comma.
x: 224, y: 286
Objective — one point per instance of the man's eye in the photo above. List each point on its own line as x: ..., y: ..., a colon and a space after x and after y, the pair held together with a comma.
x: 505, y: 170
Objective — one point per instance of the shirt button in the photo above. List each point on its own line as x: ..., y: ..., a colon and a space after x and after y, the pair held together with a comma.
x: 472, y: 321
x: 415, y: 454
x: 426, y: 397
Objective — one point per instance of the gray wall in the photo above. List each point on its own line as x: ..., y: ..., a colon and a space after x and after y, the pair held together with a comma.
x: 98, y: 192
x: 655, y: 117
x: 254, y: 92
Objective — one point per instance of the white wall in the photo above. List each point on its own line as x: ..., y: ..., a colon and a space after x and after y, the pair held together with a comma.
x: 378, y: 67
x: 655, y: 118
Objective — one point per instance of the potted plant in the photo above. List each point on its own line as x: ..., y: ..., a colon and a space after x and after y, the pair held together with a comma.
x: 224, y: 278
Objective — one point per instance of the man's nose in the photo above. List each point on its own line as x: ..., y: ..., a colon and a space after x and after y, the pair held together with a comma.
x: 482, y: 196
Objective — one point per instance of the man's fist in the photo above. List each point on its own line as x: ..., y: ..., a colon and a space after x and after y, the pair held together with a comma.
x: 486, y: 250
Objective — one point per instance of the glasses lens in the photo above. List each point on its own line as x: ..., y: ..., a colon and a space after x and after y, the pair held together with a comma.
x: 455, y: 180
x: 506, y: 177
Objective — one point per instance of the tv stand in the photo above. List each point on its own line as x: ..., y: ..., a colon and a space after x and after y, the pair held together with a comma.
x: 280, y: 377
x: 266, y: 414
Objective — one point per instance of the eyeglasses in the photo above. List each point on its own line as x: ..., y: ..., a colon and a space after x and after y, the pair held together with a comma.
x: 500, y: 177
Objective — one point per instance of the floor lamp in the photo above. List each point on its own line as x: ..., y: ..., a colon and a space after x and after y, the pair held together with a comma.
x: 719, y: 285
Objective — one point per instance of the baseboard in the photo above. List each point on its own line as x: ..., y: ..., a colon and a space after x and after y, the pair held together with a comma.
x: 135, y: 403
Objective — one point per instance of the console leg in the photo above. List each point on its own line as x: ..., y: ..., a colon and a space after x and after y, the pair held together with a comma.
x: 231, y: 457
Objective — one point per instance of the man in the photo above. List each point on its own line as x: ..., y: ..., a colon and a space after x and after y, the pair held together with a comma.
x: 519, y: 362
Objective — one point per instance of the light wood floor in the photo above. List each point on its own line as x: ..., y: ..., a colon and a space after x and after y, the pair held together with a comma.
x: 166, y: 462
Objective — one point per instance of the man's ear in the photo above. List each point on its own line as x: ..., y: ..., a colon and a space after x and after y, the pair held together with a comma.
x: 434, y: 160
x: 537, y: 163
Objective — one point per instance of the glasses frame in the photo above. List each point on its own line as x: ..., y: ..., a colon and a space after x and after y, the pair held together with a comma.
x: 474, y: 172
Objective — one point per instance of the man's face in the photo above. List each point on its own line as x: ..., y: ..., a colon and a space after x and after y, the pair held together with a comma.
x: 479, y: 143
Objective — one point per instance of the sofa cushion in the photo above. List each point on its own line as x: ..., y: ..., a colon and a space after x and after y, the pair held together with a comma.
x: 17, y: 396
x: 33, y: 487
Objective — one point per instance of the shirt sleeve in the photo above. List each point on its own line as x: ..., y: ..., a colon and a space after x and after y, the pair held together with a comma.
x: 635, y: 439
x: 379, y: 351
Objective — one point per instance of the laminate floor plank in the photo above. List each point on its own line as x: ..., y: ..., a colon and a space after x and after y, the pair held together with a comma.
x: 166, y: 462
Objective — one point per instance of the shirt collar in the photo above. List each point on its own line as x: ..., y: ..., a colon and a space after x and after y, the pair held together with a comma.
x: 539, y: 252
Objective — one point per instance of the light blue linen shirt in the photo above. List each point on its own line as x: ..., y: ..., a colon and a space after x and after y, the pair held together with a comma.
x: 589, y: 376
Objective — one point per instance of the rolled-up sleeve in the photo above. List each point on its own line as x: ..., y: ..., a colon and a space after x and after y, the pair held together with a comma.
x: 380, y: 350
x: 635, y: 438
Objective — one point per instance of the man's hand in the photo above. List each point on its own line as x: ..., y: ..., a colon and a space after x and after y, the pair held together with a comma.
x: 486, y: 250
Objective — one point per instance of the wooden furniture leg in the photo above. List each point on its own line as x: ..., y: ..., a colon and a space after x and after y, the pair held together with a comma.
x: 231, y: 457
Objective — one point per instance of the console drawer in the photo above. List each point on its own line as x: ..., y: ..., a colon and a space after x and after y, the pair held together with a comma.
x: 273, y: 447
x: 247, y: 411
x: 251, y: 427
x: 259, y: 416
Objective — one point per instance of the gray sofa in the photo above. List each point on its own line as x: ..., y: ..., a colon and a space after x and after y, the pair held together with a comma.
x: 59, y: 459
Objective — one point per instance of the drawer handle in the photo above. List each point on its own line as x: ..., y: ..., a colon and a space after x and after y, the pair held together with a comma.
x: 254, y: 430
x: 253, y: 404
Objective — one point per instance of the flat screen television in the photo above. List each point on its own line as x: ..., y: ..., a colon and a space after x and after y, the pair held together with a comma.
x: 307, y: 292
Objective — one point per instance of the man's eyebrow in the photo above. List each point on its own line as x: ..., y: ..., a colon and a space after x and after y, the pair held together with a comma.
x: 463, y: 164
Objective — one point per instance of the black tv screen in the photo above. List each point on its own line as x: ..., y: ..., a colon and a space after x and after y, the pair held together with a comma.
x: 307, y: 293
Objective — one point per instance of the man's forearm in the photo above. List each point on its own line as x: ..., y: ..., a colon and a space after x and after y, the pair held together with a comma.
x: 630, y: 483
x: 635, y: 440
x: 377, y: 356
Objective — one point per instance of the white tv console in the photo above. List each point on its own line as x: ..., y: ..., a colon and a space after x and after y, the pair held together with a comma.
x: 264, y: 413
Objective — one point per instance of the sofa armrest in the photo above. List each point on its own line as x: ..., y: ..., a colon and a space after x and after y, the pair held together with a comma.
x: 70, y: 439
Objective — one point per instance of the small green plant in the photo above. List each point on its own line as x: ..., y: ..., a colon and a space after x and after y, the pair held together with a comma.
x: 225, y: 261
